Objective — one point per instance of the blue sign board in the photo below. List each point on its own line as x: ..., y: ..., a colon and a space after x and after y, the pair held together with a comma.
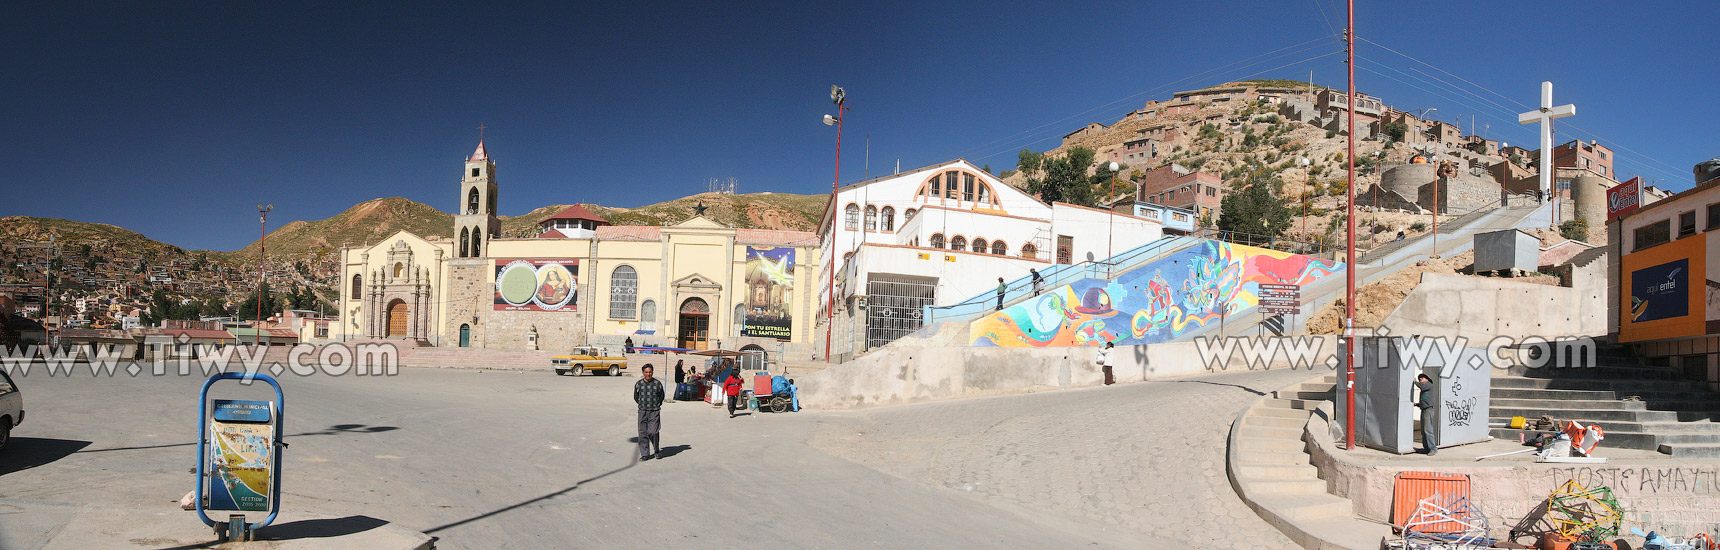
x: 1660, y: 292
x: 227, y: 410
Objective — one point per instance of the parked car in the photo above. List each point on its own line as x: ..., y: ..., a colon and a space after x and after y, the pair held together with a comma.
x: 591, y: 359
x: 11, y: 408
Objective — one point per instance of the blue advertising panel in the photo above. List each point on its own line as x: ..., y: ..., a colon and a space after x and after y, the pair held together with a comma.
x: 241, y: 455
x: 1660, y: 291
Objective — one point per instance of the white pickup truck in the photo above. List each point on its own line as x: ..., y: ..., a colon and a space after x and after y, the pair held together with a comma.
x: 11, y: 408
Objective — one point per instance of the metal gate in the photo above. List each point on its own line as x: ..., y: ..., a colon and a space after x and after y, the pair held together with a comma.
x: 893, y: 306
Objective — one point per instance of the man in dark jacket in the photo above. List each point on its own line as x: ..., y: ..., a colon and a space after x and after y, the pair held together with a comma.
x: 648, y: 393
x: 1429, y: 405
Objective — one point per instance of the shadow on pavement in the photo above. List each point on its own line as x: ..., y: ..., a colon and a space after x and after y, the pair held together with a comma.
x: 672, y: 450
x: 23, y: 453
x: 524, y: 503
x: 331, y: 430
x: 1239, y: 386
x: 320, y: 528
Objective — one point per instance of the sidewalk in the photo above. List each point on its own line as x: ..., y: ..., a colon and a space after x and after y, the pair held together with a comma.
x: 33, y: 525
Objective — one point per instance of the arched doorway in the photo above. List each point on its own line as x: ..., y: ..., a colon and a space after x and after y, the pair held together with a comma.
x: 754, y: 358
x: 396, y: 318
x: 695, y: 326
x: 465, y: 335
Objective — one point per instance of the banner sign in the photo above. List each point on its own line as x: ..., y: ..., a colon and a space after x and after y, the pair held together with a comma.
x: 1280, y: 310
x: 1624, y: 198
x: 770, y: 292
x: 537, y: 285
x: 1660, y: 292
x: 240, y: 455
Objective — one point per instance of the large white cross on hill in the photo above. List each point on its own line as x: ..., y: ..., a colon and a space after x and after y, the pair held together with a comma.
x: 1545, y: 116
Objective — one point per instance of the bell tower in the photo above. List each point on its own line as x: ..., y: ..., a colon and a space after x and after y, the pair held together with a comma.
x: 475, y: 221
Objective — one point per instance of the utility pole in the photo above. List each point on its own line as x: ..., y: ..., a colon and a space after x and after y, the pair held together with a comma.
x: 262, y: 269
x: 1350, y: 223
x: 839, y: 97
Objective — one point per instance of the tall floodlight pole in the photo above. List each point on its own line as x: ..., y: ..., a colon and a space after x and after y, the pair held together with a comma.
x: 839, y: 97
x: 262, y: 251
x: 1350, y: 229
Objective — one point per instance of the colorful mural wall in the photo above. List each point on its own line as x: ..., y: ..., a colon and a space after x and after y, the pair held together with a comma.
x: 1153, y: 303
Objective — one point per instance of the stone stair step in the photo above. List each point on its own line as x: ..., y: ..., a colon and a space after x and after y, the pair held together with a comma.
x: 1299, y: 404
x: 1276, y: 412
x: 1274, y: 458
x: 1270, y: 432
x: 1306, y: 395
x: 1585, y: 404
x: 1277, y: 471
x: 1289, y: 486
x: 1498, y: 393
x: 1307, y: 507
x: 1691, y: 450
x: 1274, y: 422
x: 1347, y: 532
x: 1270, y: 444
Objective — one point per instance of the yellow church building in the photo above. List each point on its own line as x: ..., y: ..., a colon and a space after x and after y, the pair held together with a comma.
x: 696, y: 284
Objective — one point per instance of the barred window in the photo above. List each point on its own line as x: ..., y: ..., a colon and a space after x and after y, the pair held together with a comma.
x: 623, y: 290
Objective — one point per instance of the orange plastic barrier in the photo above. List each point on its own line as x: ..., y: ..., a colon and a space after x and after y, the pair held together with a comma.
x: 1410, y: 488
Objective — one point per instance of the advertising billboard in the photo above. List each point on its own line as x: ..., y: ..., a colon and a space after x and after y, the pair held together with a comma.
x: 1624, y: 198
x: 1666, y: 290
x: 537, y: 285
x: 770, y: 292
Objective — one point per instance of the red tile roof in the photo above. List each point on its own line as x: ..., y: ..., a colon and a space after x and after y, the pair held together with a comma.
x: 629, y: 232
x: 281, y: 333
x: 479, y: 154
x: 576, y: 212
x: 552, y: 234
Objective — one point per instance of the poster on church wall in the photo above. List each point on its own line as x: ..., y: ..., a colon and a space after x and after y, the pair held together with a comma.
x: 770, y: 292
x: 537, y: 285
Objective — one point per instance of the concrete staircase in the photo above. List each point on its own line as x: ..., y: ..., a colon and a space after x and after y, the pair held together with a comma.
x: 1271, y: 470
x: 1663, y: 412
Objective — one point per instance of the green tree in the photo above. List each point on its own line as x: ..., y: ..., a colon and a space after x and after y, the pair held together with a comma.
x: 1395, y: 130
x: 1252, y: 206
x: 271, y: 304
x: 1576, y: 230
x: 1066, y: 178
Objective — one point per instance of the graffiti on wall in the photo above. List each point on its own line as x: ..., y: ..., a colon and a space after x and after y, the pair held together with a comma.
x: 1150, y: 304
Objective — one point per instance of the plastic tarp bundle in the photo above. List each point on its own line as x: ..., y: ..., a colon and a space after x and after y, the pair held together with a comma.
x: 779, y: 385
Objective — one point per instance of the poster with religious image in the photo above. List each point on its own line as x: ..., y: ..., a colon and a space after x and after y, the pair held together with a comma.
x: 770, y: 292
x: 537, y: 285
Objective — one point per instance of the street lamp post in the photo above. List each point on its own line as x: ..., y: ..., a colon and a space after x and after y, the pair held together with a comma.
x: 839, y: 97
x: 262, y: 250
x: 1110, y: 220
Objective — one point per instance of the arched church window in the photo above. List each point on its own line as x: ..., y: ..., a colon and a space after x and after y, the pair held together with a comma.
x: 357, y: 285
x: 648, y: 315
x: 623, y: 290
x: 908, y: 215
x: 937, y: 240
x: 465, y: 243
x: 888, y: 223
x: 852, y: 217
x: 979, y: 245
x: 871, y: 218
x: 477, y: 237
x: 958, y: 244
x: 399, y: 269
x: 740, y: 318
x: 998, y: 248
x: 1029, y: 251
x: 472, y: 201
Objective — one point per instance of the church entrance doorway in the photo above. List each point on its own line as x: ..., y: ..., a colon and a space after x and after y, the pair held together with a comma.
x: 465, y: 336
x: 396, y: 318
x: 695, y: 325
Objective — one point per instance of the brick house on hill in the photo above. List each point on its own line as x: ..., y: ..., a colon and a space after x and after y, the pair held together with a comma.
x: 1178, y: 187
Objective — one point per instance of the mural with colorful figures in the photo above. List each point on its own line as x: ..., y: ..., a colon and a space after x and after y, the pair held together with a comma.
x: 1153, y: 303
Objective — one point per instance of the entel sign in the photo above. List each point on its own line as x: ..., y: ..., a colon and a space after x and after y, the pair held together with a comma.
x: 1624, y: 198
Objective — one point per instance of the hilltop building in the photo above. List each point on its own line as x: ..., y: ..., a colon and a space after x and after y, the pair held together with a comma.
x: 696, y: 284
x: 1178, y: 187
x: 941, y: 234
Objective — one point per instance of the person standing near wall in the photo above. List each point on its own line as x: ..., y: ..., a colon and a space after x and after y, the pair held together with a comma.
x: 1108, y: 362
x: 1002, y: 287
x: 1429, y: 405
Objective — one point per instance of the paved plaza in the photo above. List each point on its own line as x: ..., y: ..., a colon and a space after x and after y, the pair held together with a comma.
x: 507, y: 459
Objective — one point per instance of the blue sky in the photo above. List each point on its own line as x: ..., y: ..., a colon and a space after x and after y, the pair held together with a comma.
x: 175, y: 118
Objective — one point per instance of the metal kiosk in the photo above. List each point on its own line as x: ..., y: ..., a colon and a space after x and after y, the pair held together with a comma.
x: 238, y: 459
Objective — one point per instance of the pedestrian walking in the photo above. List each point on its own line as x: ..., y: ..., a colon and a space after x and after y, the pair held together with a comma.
x: 1429, y: 405
x: 1002, y: 287
x: 648, y: 394
x: 1108, y: 360
x: 680, y: 371
x: 732, y: 388
x: 628, y: 344
x: 1038, y: 283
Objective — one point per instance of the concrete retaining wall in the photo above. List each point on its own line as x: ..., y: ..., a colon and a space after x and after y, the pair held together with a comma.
x: 898, y: 375
x: 1481, y: 308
